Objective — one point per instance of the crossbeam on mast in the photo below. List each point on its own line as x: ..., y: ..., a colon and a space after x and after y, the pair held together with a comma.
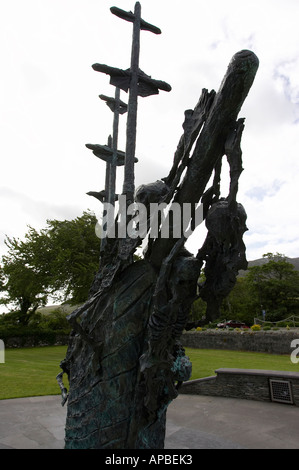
x: 111, y: 103
x: 121, y: 78
x: 129, y: 16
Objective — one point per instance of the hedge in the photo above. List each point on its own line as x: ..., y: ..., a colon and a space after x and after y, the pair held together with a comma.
x: 18, y: 337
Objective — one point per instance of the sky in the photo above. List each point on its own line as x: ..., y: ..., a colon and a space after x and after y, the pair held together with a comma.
x: 50, y: 107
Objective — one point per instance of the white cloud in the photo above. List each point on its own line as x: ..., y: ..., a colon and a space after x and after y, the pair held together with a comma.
x: 260, y: 192
x: 49, y: 106
x: 19, y: 210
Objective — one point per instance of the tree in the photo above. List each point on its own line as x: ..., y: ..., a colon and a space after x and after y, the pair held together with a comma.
x: 240, y: 304
x: 25, y: 284
x: 274, y: 287
x: 75, y: 256
x: 197, y: 312
x: 59, y: 260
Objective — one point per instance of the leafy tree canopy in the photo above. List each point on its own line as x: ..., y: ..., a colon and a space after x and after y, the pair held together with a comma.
x: 272, y: 287
x: 60, y: 260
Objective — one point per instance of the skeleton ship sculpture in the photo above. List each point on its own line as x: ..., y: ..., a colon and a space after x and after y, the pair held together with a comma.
x: 124, y: 362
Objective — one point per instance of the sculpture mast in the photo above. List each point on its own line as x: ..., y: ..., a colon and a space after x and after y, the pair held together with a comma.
x: 129, y: 174
x: 113, y: 158
x: 138, y: 84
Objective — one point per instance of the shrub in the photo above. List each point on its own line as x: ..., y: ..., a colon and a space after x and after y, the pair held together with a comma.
x: 24, y: 337
x: 212, y: 325
x: 255, y: 327
x: 56, y: 321
x: 41, y: 329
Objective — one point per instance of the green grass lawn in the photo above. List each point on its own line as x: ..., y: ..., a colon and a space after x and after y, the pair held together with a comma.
x: 32, y: 371
x: 206, y: 361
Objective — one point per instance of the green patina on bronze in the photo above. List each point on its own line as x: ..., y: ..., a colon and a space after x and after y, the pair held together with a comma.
x: 125, y: 362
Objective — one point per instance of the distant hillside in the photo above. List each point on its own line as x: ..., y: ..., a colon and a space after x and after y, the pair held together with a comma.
x: 64, y: 308
x: 259, y: 262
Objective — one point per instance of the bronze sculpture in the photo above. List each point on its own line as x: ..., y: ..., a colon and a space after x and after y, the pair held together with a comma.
x: 124, y: 361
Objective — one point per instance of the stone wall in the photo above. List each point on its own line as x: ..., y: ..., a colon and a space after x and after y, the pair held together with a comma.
x: 273, y: 342
x: 247, y: 384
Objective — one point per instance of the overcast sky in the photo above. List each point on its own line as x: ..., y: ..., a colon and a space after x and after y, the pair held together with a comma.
x: 50, y: 107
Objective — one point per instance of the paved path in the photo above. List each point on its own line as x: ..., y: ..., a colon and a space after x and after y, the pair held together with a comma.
x: 193, y: 422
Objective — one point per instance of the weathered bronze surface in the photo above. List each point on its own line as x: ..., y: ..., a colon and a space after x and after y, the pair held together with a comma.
x: 124, y: 361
